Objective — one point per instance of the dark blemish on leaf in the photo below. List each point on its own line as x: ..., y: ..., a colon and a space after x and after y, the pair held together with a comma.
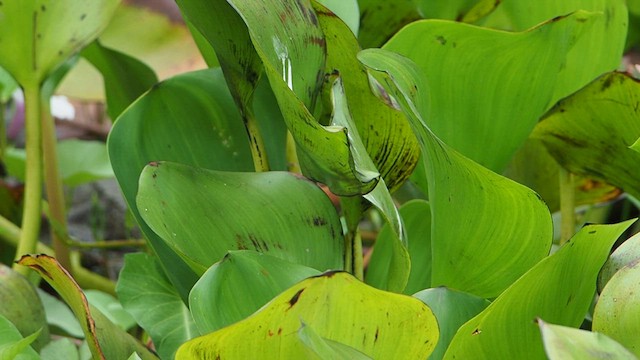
x: 279, y: 331
x: 83, y: 16
x: 569, y: 140
x: 43, y: 8
x: 476, y: 332
x: 240, y: 244
x: 41, y: 270
x: 607, y: 83
x: 270, y: 333
x: 569, y: 299
x: 318, y: 41
x: 318, y: 221
x: 441, y: 40
x: 60, y: 53
x: 377, y: 333
x: 592, y: 232
x: 294, y: 299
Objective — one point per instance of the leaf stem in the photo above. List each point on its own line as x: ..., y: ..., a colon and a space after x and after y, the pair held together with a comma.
x: 567, y: 205
x: 352, y: 210
x: 31, y: 217
x: 53, y: 184
x: 256, y: 143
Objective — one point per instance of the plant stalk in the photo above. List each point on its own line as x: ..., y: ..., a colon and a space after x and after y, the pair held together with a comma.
x: 256, y: 143
x: 31, y: 217
x: 53, y: 185
x: 352, y: 210
x: 567, y: 205
x: 293, y: 164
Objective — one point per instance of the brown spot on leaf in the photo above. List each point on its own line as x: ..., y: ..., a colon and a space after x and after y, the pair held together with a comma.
x: 476, y: 332
x: 294, y: 299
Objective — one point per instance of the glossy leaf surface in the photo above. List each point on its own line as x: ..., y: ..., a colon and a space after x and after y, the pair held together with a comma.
x: 617, y: 312
x: 105, y: 339
x: 385, y: 131
x: 559, y: 288
x: 589, y: 133
x: 479, y: 105
x: 563, y: 343
x: 147, y: 294
x: 605, y: 37
x: 327, y: 349
x: 174, y: 198
x: 452, y: 309
x: 383, y: 325
x: 626, y: 254
x: 240, y: 284
x: 34, y: 40
x: 476, y: 213
x: 13, y: 345
x: 190, y: 119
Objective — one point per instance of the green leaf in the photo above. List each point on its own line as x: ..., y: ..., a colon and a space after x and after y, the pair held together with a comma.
x: 459, y: 10
x: 35, y: 41
x: 327, y: 349
x: 380, y: 19
x: 125, y: 77
x: 605, y: 37
x: 110, y: 307
x: 452, y: 309
x: 347, y: 11
x: 559, y: 288
x: 382, y: 325
x: 589, y: 133
x: 110, y: 342
x: 626, y: 254
x: 62, y: 348
x: 565, y: 343
x: 385, y: 132
x: 416, y: 216
x: 60, y: 316
x: 175, y: 198
x: 147, y: 294
x: 240, y: 284
x: 476, y: 78
x: 191, y: 119
x: 7, y: 86
x: 475, y: 213
x: 617, y: 312
x: 21, y: 306
x: 13, y: 345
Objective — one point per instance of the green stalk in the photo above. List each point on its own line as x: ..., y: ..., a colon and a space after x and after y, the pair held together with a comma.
x: 293, y: 165
x: 567, y: 205
x: 256, y: 143
x: 352, y: 210
x: 3, y: 130
x: 31, y: 217
x: 53, y: 184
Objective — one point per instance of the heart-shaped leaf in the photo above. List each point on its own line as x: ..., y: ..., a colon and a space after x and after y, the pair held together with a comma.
x: 383, y: 325
x: 476, y: 213
x: 173, y: 199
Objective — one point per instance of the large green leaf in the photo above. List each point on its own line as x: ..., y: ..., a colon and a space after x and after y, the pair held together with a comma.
x: 59, y: 317
x: 189, y: 119
x: 589, y: 133
x: 13, y: 345
x: 605, y: 37
x: 488, y: 87
x: 486, y: 230
x: 148, y: 296
x: 22, y: 306
x: 290, y: 217
x: 105, y: 339
x: 459, y: 10
x: 125, y: 78
x: 564, y: 343
x: 385, y: 131
x: 348, y: 11
x: 380, y: 19
x: 62, y: 348
x: 338, y: 307
x: 34, y: 38
x: 240, y: 284
x: 416, y: 216
x: 617, y: 312
x: 452, y: 309
x: 559, y: 289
